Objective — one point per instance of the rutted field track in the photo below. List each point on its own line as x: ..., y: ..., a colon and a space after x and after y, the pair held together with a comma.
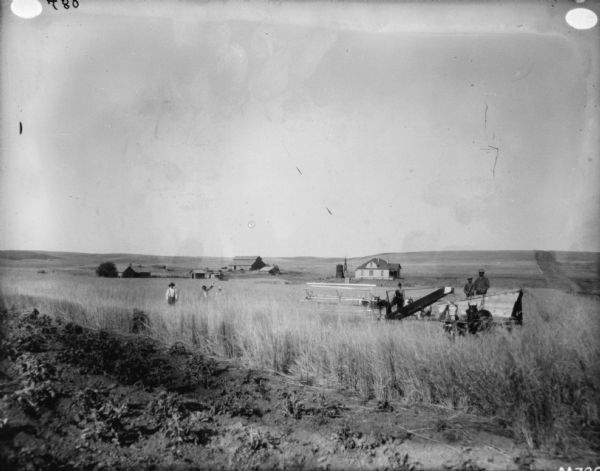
x: 75, y: 398
x: 553, y: 273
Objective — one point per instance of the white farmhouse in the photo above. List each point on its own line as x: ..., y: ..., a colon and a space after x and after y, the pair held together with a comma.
x: 378, y: 269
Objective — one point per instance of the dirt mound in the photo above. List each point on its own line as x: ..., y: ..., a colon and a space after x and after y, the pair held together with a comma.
x: 74, y: 398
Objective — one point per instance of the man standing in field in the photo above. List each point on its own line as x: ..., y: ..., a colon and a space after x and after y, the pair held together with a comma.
x: 469, y: 288
x: 398, y: 298
x: 482, y: 284
x: 172, y: 294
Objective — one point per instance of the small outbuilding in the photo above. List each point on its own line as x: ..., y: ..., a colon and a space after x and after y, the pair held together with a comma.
x: 198, y: 274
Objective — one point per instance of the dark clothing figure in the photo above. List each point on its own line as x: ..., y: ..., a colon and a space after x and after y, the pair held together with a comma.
x: 399, y: 296
x: 469, y: 288
x: 398, y: 299
x: 482, y: 284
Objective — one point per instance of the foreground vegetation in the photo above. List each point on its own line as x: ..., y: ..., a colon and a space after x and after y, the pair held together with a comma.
x: 77, y: 398
x: 542, y: 381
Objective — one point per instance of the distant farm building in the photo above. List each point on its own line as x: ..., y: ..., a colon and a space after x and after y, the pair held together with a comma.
x: 341, y: 271
x: 198, y: 274
x: 129, y: 272
x: 378, y: 269
x: 243, y: 263
x: 208, y: 273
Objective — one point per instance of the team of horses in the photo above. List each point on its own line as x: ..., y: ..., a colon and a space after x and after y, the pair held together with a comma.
x: 476, y: 321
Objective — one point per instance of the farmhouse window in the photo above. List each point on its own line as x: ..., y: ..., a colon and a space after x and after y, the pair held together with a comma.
x: 370, y: 272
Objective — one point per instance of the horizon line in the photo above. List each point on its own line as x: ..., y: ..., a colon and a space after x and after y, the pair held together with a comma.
x: 290, y: 256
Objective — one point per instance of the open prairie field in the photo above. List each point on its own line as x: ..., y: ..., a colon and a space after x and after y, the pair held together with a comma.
x: 507, y: 269
x: 582, y: 268
x: 255, y: 376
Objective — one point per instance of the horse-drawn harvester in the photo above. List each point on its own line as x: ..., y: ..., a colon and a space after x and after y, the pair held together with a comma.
x: 483, y: 312
x: 468, y: 315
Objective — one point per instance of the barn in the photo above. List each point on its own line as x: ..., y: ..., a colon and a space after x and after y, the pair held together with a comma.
x: 129, y: 272
x: 378, y: 269
x: 242, y: 263
x: 198, y: 274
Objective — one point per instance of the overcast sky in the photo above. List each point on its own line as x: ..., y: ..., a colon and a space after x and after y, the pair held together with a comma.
x: 285, y: 129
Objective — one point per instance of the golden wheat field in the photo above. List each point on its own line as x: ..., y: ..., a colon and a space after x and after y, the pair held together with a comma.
x: 543, y: 377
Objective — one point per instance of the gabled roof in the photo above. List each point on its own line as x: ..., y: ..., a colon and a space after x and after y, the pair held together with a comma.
x: 121, y: 267
x: 381, y: 264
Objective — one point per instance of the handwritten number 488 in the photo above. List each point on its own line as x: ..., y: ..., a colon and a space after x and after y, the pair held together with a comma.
x: 65, y: 4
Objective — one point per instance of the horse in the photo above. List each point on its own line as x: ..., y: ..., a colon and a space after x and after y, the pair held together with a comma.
x: 478, y: 320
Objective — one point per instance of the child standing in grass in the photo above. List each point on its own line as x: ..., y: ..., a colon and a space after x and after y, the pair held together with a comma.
x: 172, y: 294
x: 206, y: 289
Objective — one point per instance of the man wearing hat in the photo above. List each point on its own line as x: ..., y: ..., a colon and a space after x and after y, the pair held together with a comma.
x: 172, y: 294
x: 482, y: 284
x: 398, y: 298
x: 469, y: 287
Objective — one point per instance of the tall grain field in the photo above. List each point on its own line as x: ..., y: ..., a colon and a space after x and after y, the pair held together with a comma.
x: 542, y: 381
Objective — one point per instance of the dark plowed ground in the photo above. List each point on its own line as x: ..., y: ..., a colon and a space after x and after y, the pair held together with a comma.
x: 73, y: 398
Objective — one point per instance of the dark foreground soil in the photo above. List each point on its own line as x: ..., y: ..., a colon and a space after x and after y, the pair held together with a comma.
x: 73, y: 398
